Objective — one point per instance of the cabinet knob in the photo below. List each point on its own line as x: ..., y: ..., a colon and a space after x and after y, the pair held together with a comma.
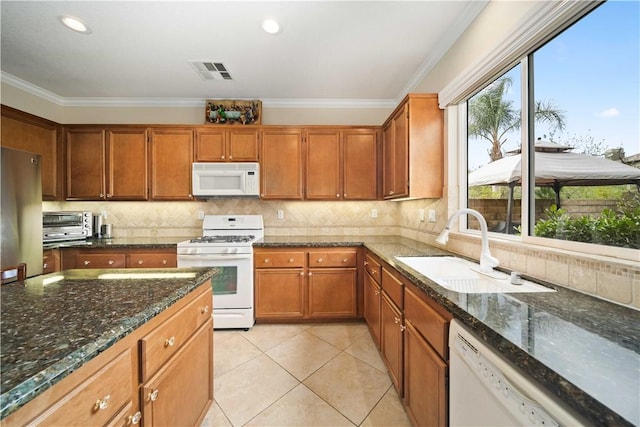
x: 140, y: 262
x: 134, y: 419
x: 366, y: 263
x: 110, y: 262
x: 164, y: 262
x: 101, y: 195
x: 376, y: 292
x: 45, y: 265
x: 302, y: 273
x: 267, y: 260
x: 310, y: 273
x: 204, y: 309
x: 402, y: 328
x: 291, y: 259
x: 344, y: 260
x: 108, y: 195
x: 86, y: 262
x: 102, y: 403
x: 153, y: 396
x: 230, y: 157
x: 222, y: 157
x: 396, y: 320
x: 337, y: 196
x: 169, y: 342
x: 320, y: 260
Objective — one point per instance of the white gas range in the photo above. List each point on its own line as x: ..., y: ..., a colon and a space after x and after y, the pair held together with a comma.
x: 226, y: 244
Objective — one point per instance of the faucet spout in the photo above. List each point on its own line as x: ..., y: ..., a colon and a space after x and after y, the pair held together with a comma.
x: 487, y: 262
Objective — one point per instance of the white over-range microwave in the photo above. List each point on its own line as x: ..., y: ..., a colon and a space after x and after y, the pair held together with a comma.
x: 226, y: 179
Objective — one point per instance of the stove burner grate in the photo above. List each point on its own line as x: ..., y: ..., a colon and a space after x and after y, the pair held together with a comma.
x: 223, y: 239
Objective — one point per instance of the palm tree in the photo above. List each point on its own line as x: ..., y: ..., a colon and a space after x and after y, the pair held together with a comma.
x: 491, y: 116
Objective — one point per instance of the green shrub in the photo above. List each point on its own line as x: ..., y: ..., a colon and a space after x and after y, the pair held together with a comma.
x: 621, y: 229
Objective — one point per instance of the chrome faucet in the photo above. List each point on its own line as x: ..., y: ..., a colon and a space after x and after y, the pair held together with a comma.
x: 487, y: 262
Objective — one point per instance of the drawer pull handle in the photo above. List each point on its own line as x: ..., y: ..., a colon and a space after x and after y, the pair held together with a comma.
x: 164, y: 262
x: 310, y: 273
x: 320, y: 260
x: 102, y: 403
x: 111, y: 262
x: 86, y: 262
x: 204, y: 309
x: 291, y: 259
x: 45, y: 265
x: 396, y: 320
x: 140, y: 262
x: 267, y: 260
x: 170, y: 342
x: 134, y: 419
x: 302, y: 273
x: 344, y: 260
x: 153, y: 396
x: 402, y: 328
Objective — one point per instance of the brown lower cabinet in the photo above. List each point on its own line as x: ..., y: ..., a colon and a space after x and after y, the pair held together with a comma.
x: 307, y: 284
x: 411, y: 331
x: 113, y: 388
x: 118, y: 258
x: 50, y: 261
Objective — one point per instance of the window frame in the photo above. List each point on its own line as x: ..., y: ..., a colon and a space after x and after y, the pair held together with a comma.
x: 554, y: 19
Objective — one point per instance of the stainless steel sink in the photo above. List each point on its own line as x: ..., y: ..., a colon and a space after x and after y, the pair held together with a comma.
x: 460, y: 275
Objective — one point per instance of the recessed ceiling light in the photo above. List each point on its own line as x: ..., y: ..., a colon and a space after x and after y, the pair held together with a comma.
x: 271, y: 26
x: 75, y: 24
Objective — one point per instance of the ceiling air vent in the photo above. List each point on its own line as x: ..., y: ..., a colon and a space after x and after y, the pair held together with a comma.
x: 211, y: 70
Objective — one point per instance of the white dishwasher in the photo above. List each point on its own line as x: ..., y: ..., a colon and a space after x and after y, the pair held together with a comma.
x: 486, y: 390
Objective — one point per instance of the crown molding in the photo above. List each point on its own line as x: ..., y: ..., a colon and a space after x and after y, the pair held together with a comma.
x: 187, y: 102
x: 471, y: 11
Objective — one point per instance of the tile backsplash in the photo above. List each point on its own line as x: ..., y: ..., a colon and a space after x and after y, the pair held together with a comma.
x: 611, y: 279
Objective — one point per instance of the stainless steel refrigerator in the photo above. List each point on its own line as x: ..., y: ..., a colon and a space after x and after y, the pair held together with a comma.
x: 21, y: 210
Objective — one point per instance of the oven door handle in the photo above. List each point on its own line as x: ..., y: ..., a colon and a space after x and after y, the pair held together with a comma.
x: 217, y: 257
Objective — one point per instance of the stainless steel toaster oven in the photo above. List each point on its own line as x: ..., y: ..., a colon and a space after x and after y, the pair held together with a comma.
x: 66, y: 225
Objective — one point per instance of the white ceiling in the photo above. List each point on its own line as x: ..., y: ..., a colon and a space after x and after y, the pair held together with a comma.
x: 331, y: 53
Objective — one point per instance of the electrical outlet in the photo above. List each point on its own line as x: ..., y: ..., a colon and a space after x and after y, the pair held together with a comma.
x: 374, y: 213
x: 280, y: 214
x: 432, y: 215
x: 421, y: 215
x: 200, y: 215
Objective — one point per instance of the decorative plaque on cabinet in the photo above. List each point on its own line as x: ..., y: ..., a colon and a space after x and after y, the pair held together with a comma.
x: 231, y: 111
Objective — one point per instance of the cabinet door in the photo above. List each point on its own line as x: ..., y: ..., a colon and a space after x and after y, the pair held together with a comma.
x: 401, y: 156
x: 182, y: 391
x: 332, y: 292
x: 127, y: 164
x: 50, y: 261
x: 425, y: 387
x: 372, y: 301
x: 210, y: 145
x: 323, y: 165
x: 242, y: 145
x: 360, y: 165
x: 30, y: 133
x: 171, y: 159
x: 391, y: 333
x: 281, y: 165
x: 85, y: 164
x: 280, y: 293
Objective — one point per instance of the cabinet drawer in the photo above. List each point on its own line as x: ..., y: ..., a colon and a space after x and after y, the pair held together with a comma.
x: 158, y: 346
x: 332, y: 259
x: 393, y: 287
x: 373, y: 267
x: 162, y: 260
x: 279, y: 259
x: 98, y: 399
x: 431, y: 324
x: 86, y: 260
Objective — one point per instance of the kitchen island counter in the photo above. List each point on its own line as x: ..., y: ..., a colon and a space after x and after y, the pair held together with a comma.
x: 584, y: 351
x: 55, y: 323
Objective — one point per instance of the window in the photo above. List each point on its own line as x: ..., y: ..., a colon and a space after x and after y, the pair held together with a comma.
x: 581, y: 153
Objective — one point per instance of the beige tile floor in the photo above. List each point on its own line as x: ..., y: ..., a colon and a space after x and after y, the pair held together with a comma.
x: 301, y: 375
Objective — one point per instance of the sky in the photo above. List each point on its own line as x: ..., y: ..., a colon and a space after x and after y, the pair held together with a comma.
x: 591, y: 72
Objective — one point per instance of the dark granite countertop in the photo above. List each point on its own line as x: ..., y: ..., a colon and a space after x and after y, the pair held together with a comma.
x: 53, y: 324
x: 584, y: 350
x: 119, y: 242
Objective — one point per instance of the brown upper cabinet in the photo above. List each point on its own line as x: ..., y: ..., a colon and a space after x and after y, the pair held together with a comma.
x: 341, y: 164
x: 413, y: 149
x: 171, y: 159
x: 27, y: 132
x: 106, y: 164
x: 281, y: 166
x: 227, y: 145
